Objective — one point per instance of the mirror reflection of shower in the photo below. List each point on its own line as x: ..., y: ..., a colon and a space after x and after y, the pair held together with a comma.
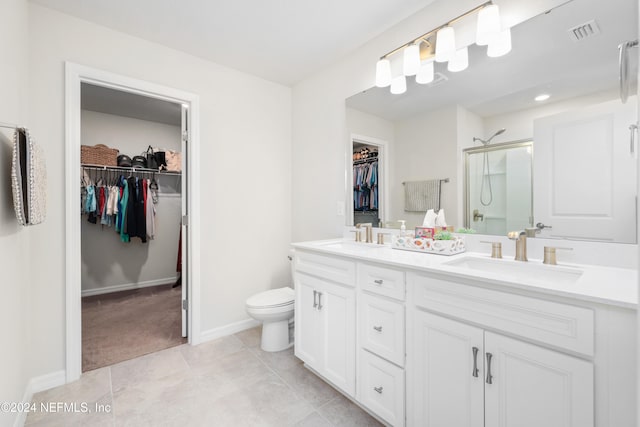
x: 486, y: 173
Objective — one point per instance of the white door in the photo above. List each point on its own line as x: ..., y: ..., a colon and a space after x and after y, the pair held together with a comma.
x: 337, y: 305
x: 184, y: 274
x: 307, y: 321
x: 532, y: 386
x: 585, y: 174
x: 448, y: 377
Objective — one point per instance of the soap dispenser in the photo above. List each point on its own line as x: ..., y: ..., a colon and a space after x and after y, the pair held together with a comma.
x: 403, y: 228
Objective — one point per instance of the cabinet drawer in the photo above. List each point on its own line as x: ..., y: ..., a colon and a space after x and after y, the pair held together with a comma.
x: 381, y: 327
x: 381, y: 280
x: 381, y: 388
x: 326, y: 267
x: 560, y: 325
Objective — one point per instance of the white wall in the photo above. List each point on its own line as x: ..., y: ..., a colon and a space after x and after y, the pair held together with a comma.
x: 246, y: 169
x: 107, y: 262
x: 426, y: 148
x: 15, y: 263
x: 319, y: 124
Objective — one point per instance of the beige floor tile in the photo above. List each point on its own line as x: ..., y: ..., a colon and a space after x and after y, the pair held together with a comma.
x: 342, y: 412
x: 251, y: 337
x: 149, y: 367
x: 308, y: 385
x: 313, y: 420
x: 208, y: 352
x: 279, y: 361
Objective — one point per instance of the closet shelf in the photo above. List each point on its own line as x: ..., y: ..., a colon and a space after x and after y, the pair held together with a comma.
x: 128, y: 169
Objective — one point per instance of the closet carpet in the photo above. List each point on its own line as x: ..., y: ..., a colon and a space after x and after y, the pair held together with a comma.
x: 123, y: 325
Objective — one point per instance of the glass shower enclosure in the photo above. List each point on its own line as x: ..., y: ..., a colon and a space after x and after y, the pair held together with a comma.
x: 498, y: 191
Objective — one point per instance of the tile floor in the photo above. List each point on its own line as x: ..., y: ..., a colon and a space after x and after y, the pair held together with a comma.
x: 226, y: 382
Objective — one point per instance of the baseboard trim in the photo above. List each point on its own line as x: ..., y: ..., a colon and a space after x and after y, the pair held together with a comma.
x: 36, y: 385
x: 230, y: 329
x: 128, y: 286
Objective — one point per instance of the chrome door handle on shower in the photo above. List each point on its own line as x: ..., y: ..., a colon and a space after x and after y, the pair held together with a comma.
x: 633, y: 129
x: 623, y: 63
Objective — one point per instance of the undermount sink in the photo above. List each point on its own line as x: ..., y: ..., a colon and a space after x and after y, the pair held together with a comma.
x: 519, y: 270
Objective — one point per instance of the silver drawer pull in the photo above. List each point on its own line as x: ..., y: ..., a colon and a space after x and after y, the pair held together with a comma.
x: 378, y: 281
x: 378, y: 328
x: 475, y: 371
x: 315, y: 299
x: 489, y: 379
x: 319, y: 300
x: 378, y: 389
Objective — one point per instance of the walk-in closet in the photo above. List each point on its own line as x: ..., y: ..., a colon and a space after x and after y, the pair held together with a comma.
x: 366, y: 184
x: 131, y: 228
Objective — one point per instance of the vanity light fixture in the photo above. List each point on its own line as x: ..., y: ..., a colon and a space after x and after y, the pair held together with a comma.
x: 399, y: 85
x: 426, y: 73
x: 419, y: 62
x: 542, y: 97
x: 411, y: 63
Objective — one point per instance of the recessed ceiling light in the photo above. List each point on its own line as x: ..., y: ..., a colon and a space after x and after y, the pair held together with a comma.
x: 542, y: 97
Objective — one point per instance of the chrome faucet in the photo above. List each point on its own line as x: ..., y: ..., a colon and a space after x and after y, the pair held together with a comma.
x: 521, y: 244
x: 368, y: 230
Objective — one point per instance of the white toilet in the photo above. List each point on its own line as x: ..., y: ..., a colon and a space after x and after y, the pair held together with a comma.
x: 274, y: 308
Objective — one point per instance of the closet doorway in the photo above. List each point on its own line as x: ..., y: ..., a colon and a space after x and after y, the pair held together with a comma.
x: 131, y: 291
x: 368, y: 186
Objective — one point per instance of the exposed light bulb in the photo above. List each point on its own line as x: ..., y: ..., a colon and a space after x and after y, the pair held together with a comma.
x: 399, y: 85
x: 411, y: 63
x: 383, y: 73
x: 445, y: 44
x: 500, y: 45
x: 425, y: 73
x: 459, y: 61
x: 488, y: 24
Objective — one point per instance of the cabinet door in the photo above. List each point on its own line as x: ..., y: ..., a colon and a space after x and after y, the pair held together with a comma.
x: 307, y: 317
x: 381, y: 387
x: 337, y: 306
x: 381, y: 327
x: 532, y: 386
x: 447, y: 390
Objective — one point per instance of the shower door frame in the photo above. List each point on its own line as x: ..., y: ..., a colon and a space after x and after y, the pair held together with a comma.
x: 521, y: 143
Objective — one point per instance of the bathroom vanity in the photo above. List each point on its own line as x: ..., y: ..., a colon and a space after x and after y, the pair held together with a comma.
x: 466, y: 340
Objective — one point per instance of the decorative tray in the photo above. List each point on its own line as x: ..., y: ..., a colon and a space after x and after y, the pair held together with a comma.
x: 429, y: 246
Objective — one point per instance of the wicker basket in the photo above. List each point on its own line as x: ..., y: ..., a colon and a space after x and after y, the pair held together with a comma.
x: 98, y: 155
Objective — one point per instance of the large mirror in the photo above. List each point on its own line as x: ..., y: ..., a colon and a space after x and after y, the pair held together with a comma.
x: 583, y: 181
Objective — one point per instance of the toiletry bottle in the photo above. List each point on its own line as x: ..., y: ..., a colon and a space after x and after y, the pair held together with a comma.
x: 403, y: 228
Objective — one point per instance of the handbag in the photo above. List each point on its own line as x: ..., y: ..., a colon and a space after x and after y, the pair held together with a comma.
x: 174, y: 160
x: 161, y: 159
x: 152, y: 163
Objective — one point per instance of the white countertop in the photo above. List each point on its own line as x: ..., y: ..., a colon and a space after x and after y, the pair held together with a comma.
x: 600, y: 284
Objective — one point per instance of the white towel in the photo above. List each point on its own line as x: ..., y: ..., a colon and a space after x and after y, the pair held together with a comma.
x: 440, y: 221
x: 420, y: 196
x: 429, y: 219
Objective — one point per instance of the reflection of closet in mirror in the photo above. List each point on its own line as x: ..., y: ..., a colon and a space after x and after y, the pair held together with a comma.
x: 367, y: 156
x: 498, y: 187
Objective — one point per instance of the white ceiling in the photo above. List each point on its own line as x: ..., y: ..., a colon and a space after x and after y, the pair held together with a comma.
x: 544, y: 60
x: 283, y: 41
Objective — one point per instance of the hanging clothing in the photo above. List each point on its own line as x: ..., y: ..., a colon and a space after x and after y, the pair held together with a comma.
x: 150, y: 211
x: 124, y: 202
x: 365, y: 186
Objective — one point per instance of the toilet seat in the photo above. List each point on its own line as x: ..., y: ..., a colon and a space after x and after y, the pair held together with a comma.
x: 273, y: 298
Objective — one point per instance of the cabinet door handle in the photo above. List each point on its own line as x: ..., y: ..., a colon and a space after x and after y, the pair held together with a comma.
x: 378, y: 389
x: 378, y: 281
x: 378, y: 328
x: 319, y: 300
x: 315, y: 299
x: 489, y: 379
x: 475, y: 371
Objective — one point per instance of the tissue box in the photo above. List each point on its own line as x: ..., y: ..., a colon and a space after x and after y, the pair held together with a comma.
x: 425, y: 232
x: 429, y: 246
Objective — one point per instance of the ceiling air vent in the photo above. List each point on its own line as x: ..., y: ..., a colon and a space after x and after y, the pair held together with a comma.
x: 581, y: 32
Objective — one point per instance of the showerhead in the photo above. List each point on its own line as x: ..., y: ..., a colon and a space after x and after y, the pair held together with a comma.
x: 501, y: 131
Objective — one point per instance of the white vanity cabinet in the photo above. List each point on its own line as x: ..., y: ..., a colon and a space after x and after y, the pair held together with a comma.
x: 325, y: 317
x: 464, y: 376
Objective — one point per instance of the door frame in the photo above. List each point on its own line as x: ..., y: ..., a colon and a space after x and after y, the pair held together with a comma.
x: 75, y: 75
x: 383, y: 170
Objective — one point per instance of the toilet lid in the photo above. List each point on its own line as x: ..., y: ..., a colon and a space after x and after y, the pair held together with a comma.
x: 272, y: 298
